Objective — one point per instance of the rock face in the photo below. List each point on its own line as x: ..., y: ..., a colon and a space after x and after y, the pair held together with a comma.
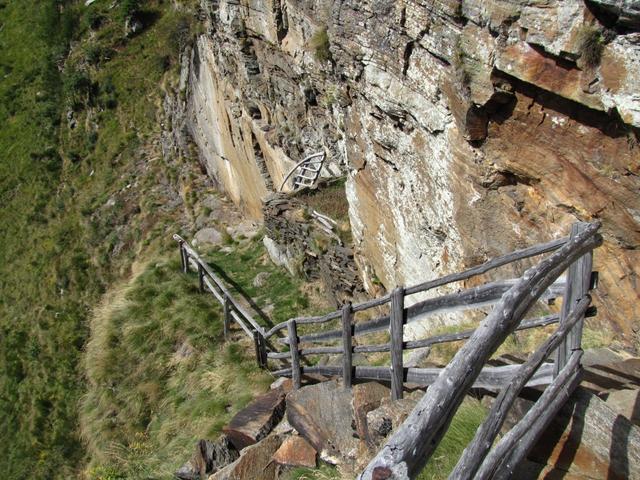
x: 209, y: 457
x: 255, y: 463
x: 296, y: 452
x: 466, y: 129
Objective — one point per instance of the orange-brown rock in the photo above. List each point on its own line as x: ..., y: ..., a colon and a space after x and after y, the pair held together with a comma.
x: 295, y: 451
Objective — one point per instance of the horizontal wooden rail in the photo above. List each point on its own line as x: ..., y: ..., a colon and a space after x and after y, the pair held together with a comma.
x: 490, y: 378
x: 472, y: 298
x: 412, y: 344
x: 410, y: 447
x: 454, y: 277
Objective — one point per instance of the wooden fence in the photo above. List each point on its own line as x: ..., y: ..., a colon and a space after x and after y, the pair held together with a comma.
x: 408, y: 450
x: 233, y: 310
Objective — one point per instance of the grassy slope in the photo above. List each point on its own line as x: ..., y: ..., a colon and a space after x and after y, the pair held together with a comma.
x: 160, y: 374
x: 59, y: 233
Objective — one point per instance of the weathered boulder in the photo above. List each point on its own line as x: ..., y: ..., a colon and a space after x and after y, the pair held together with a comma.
x: 208, y: 236
x: 255, y: 463
x: 209, y: 457
x: 295, y: 451
x: 322, y: 414
x: 367, y: 397
x: 256, y: 420
x: 383, y: 420
x: 625, y: 403
x: 587, y: 440
x: 261, y: 279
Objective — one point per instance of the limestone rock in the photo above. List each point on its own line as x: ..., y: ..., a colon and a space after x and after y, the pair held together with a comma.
x: 322, y: 414
x: 261, y: 279
x: 256, y: 420
x: 208, y: 236
x: 255, y: 463
x: 295, y: 451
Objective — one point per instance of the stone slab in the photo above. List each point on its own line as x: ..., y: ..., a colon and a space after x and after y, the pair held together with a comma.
x: 295, y: 451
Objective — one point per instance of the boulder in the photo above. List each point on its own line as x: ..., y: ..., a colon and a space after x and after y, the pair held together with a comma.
x: 255, y: 421
x: 209, y: 457
x: 367, y: 397
x: 255, y: 463
x: 246, y: 229
x: 586, y: 440
x: 260, y: 280
x: 626, y: 403
x: 322, y: 414
x: 383, y: 420
x: 295, y: 451
x: 208, y: 236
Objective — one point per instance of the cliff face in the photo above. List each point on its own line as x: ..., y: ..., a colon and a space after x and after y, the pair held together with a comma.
x: 466, y: 128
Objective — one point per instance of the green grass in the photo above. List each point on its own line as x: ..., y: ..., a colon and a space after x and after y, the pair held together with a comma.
x: 160, y: 375
x: 60, y: 245
x: 461, y: 431
x: 323, y: 472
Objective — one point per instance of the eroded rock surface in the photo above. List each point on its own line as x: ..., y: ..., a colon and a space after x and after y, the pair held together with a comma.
x: 466, y: 129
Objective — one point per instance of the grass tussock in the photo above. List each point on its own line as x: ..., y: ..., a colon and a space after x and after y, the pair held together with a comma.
x: 590, y: 45
x: 160, y: 375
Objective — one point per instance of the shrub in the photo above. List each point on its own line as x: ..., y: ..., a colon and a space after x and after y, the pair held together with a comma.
x: 129, y: 8
x: 320, y: 44
x: 590, y: 45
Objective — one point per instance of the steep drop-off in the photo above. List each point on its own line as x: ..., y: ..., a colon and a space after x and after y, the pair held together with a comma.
x: 466, y: 129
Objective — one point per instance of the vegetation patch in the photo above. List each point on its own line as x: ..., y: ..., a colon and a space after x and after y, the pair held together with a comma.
x: 320, y: 45
x: 590, y: 45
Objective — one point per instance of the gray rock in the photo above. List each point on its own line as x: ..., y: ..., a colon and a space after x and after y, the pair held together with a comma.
x: 627, y: 12
x: 208, y: 458
x: 383, y: 420
x: 260, y: 279
x: 626, y: 403
x: 323, y: 415
x: 255, y: 463
x: 208, y: 236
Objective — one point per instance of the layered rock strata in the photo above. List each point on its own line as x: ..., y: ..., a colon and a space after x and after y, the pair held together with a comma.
x: 467, y: 128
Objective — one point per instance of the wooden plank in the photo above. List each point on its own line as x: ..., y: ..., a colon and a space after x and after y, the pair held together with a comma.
x: 347, y: 331
x: 413, y: 443
x: 239, y: 321
x: 396, y: 329
x: 476, y: 451
x: 213, y: 290
x: 490, y: 378
x: 472, y: 298
x: 515, y: 444
x: 183, y: 260
x: 295, y: 358
x: 304, y: 321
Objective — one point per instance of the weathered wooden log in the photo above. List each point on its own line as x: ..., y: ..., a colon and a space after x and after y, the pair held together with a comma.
x: 455, y: 277
x: 213, y: 290
x: 577, y: 286
x: 490, y: 265
x: 183, y: 258
x: 396, y: 328
x: 200, y: 279
x: 227, y: 316
x: 412, y: 344
x: 295, y: 357
x: 476, y: 451
x: 502, y: 460
x: 490, y: 378
x: 411, y: 446
x: 476, y: 297
x: 347, y: 330
x: 239, y: 321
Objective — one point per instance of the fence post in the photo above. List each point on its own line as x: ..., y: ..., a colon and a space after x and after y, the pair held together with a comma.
x: 258, y: 347
x: 295, y: 354
x: 184, y: 258
x: 200, y: 278
x: 227, y: 316
x: 396, y: 327
x: 577, y: 286
x: 347, y: 332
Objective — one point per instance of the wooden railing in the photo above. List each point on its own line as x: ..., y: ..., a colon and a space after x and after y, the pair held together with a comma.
x: 410, y: 447
x: 233, y: 309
